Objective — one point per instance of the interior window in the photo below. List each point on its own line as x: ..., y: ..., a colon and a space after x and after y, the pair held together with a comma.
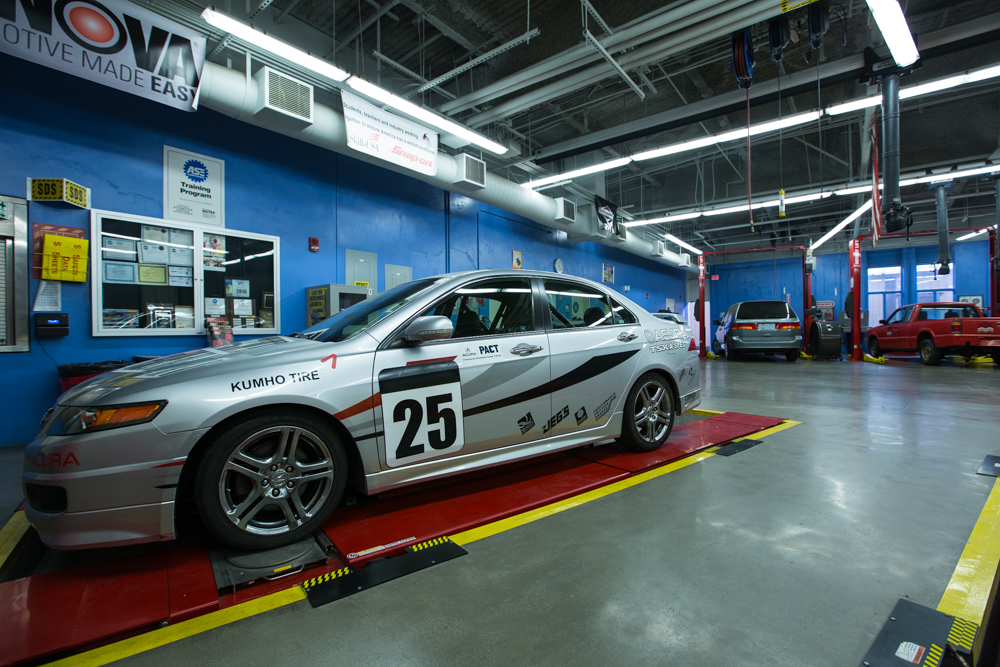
x: 488, y: 308
x: 575, y: 306
x: 621, y: 314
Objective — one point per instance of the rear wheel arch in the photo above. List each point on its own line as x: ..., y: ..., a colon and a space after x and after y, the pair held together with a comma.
x: 184, y: 499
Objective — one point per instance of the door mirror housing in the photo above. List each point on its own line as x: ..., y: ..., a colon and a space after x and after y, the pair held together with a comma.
x: 881, y: 321
x: 717, y: 323
x: 434, y: 327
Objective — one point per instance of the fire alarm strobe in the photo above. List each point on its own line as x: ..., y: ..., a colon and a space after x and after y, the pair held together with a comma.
x: 313, y: 244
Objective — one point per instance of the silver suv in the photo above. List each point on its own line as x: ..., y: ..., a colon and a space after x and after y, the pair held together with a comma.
x: 771, y: 327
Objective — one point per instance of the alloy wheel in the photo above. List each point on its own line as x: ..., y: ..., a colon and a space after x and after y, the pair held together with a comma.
x: 653, y: 411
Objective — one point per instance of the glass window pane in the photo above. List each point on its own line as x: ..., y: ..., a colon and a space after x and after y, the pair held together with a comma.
x: 488, y: 308
x: 147, y: 276
x: 239, y: 280
x: 945, y: 295
x: 622, y: 314
x: 573, y: 305
x: 885, y: 279
x: 893, y: 300
x: 928, y: 278
x: 875, y: 311
x: 925, y: 297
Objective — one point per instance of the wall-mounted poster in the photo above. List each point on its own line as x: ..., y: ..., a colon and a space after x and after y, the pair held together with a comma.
x: 608, y: 274
x: 120, y: 318
x: 972, y: 298
x: 236, y: 287
x: 194, y: 187
x: 516, y: 260
x: 214, y: 252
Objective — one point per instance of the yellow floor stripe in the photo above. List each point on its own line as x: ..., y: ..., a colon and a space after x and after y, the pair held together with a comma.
x: 11, y: 536
x: 968, y: 591
x: 548, y: 510
x: 705, y: 413
x: 157, y: 638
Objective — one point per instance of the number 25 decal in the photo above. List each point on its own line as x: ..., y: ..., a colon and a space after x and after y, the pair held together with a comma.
x: 421, y: 412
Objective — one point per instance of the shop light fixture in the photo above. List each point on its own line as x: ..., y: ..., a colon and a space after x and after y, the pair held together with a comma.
x: 666, y: 218
x: 569, y: 175
x: 281, y: 49
x: 892, y: 24
x: 674, y: 239
x: 843, y: 223
x: 974, y: 234
x: 424, y: 115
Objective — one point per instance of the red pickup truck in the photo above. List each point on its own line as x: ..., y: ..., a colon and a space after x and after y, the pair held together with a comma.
x: 937, y: 329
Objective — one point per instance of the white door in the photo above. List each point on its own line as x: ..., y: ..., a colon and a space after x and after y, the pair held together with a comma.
x: 485, y: 388
x: 595, y: 345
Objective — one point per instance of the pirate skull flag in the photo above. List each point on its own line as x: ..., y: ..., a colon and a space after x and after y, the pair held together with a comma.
x: 607, y: 215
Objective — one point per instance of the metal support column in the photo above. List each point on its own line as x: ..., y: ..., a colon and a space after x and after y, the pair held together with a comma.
x: 701, y: 305
x: 944, y: 257
x: 894, y: 213
x: 854, y: 253
x: 807, y: 318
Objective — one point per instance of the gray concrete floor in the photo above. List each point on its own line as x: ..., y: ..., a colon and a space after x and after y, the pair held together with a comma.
x: 790, y: 553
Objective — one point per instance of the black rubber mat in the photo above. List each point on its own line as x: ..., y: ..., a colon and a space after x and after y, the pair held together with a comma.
x: 736, y: 447
x: 991, y: 466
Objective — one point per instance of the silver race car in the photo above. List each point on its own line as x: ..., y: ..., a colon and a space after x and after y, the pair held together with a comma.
x: 432, y: 378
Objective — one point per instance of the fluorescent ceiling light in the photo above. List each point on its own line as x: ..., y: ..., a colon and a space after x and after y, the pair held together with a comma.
x: 784, y: 123
x: 974, y: 234
x: 854, y: 191
x: 892, y: 24
x: 854, y: 105
x: 674, y: 239
x: 846, y: 221
x: 592, y: 169
x: 666, y: 218
x: 424, y: 115
x: 252, y: 36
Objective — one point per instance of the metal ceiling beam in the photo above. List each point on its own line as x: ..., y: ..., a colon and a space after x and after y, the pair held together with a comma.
x: 443, y: 27
x: 475, y: 61
x: 261, y: 7
x: 931, y: 45
x: 285, y: 12
x: 413, y: 75
x: 367, y: 23
x: 597, y: 17
x: 416, y: 49
x: 611, y: 61
x: 391, y: 15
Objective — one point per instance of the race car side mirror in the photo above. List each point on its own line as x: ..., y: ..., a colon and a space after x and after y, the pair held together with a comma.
x: 434, y: 327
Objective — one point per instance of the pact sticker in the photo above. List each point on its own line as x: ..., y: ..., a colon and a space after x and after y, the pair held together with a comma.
x: 421, y: 412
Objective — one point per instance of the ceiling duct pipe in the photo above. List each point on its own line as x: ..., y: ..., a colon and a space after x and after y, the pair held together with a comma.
x: 232, y: 93
x: 944, y: 259
x: 894, y: 213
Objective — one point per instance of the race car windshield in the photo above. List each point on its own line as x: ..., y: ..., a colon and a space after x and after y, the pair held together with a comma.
x: 366, y: 314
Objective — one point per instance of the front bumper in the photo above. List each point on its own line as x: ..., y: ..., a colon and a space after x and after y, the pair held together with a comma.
x: 120, y: 485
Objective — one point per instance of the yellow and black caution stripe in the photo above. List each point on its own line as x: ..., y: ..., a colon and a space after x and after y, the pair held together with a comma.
x: 934, y: 654
x: 430, y: 543
x: 329, y: 576
x: 963, y: 633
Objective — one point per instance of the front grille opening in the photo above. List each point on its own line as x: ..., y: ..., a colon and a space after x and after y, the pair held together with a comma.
x: 49, y: 499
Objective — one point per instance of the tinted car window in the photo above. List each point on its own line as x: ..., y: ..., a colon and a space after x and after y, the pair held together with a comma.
x: 948, y: 312
x: 762, y: 310
x: 622, y: 314
x: 488, y: 308
x: 573, y: 305
x: 901, y: 315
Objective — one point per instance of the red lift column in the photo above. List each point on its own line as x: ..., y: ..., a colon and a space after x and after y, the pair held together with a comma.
x: 701, y: 304
x: 854, y: 253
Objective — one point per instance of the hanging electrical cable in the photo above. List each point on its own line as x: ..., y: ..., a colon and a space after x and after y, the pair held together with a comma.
x: 743, y: 65
x: 778, y: 36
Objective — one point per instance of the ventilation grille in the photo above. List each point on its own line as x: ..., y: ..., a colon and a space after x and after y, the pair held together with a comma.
x: 565, y: 210
x: 289, y: 95
x: 471, y: 172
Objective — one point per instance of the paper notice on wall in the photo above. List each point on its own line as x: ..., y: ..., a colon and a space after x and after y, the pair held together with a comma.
x: 49, y: 297
x: 194, y: 188
x: 374, y: 131
x: 114, y: 43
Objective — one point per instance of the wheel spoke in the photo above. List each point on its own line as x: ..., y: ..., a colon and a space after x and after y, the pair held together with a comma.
x: 658, y: 396
x: 308, y: 471
x: 664, y: 416
x: 252, y: 512
x: 286, y: 508
x: 296, y: 500
x: 237, y: 466
x: 287, y: 445
x: 248, y: 463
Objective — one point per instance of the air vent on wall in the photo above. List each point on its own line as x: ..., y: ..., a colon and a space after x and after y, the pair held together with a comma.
x: 282, y: 100
x: 659, y: 249
x: 471, y: 172
x: 622, y: 234
x: 565, y: 210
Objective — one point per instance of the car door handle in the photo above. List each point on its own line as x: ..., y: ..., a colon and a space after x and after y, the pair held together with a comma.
x: 524, y: 350
x: 626, y: 337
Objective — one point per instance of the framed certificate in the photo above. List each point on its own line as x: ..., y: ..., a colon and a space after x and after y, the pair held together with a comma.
x: 153, y: 253
x: 243, y: 307
x: 122, y: 250
x: 120, y: 318
x: 119, y: 272
x: 215, y: 306
x: 152, y: 274
x: 155, y: 234
x: 180, y: 281
x: 182, y: 237
x: 184, y: 317
x: 181, y: 256
x: 238, y: 288
x: 186, y: 271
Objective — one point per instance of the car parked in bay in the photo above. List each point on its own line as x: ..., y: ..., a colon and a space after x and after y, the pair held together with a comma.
x: 429, y: 379
x: 935, y: 330
x: 771, y: 327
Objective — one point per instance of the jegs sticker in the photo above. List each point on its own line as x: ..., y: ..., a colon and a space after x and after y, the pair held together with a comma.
x: 421, y: 412
x: 556, y: 419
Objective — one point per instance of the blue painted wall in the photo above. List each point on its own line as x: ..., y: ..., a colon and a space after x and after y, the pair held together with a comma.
x: 55, y: 125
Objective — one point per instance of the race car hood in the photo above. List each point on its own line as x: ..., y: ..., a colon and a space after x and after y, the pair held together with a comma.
x: 139, y: 381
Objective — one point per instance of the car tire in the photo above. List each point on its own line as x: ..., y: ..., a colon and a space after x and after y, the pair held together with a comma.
x: 253, y: 489
x: 929, y: 353
x: 874, y: 348
x: 731, y: 354
x: 717, y: 347
x: 648, y: 415
x: 792, y: 356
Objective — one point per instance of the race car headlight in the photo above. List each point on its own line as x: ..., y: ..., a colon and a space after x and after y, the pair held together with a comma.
x: 73, y: 420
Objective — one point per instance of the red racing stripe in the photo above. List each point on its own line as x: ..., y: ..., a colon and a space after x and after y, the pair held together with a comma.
x: 368, y: 404
x: 429, y: 361
x: 171, y: 464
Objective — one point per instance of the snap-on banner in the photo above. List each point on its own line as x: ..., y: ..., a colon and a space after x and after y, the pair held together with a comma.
x: 113, y: 42
x: 376, y: 132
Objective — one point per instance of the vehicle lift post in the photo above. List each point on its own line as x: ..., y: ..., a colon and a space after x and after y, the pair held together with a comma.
x: 806, y: 291
x: 854, y: 253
